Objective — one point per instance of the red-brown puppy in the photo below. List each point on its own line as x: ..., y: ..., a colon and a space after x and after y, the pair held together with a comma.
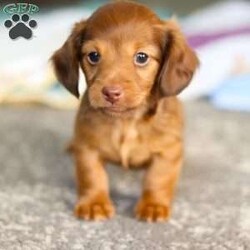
x: 135, y: 64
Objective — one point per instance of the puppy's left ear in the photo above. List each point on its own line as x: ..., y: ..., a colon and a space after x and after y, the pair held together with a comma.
x: 66, y: 59
x: 179, y: 61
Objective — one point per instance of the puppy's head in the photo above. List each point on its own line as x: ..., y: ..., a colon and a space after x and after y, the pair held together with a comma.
x: 127, y: 54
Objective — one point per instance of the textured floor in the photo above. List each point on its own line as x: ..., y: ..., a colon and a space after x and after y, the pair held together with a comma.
x: 37, y: 193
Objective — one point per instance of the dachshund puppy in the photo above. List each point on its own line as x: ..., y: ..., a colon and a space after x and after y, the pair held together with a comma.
x: 135, y: 64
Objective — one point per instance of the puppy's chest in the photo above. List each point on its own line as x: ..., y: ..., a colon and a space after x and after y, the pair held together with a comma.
x: 128, y: 144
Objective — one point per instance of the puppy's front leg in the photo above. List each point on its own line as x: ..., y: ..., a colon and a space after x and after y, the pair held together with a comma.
x: 94, y: 202
x: 159, y: 184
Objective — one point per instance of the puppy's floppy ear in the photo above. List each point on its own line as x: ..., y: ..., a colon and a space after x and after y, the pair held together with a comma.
x: 179, y: 61
x: 66, y: 59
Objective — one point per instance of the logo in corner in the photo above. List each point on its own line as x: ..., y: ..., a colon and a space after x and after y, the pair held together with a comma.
x: 20, y: 23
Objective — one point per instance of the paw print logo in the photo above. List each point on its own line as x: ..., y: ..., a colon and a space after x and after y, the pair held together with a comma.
x: 20, y: 26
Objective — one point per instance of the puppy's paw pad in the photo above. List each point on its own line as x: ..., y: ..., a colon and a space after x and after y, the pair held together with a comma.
x: 152, y: 211
x: 94, y: 209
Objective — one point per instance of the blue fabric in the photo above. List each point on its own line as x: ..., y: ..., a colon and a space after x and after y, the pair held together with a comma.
x: 233, y: 94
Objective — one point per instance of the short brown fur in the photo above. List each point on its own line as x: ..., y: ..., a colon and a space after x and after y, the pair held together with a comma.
x: 144, y: 127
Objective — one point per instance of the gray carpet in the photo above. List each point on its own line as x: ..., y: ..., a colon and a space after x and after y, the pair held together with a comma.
x: 37, y: 192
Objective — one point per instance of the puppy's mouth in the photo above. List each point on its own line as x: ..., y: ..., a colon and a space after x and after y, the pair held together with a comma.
x: 117, y: 111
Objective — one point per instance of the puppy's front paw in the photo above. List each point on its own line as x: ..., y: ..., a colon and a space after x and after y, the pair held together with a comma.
x: 98, y: 207
x: 152, y: 211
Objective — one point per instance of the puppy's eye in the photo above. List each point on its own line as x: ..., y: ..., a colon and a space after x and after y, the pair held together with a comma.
x: 94, y: 57
x: 141, y: 59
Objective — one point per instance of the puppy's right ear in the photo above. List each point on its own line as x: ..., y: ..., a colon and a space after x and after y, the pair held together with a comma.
x: 179, y: 61
x: 66, y: 59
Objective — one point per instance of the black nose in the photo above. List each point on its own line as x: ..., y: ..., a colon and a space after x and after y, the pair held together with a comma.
x: 112, y: 94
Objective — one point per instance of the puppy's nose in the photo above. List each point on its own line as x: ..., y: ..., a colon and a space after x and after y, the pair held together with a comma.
x: 112, y: 94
